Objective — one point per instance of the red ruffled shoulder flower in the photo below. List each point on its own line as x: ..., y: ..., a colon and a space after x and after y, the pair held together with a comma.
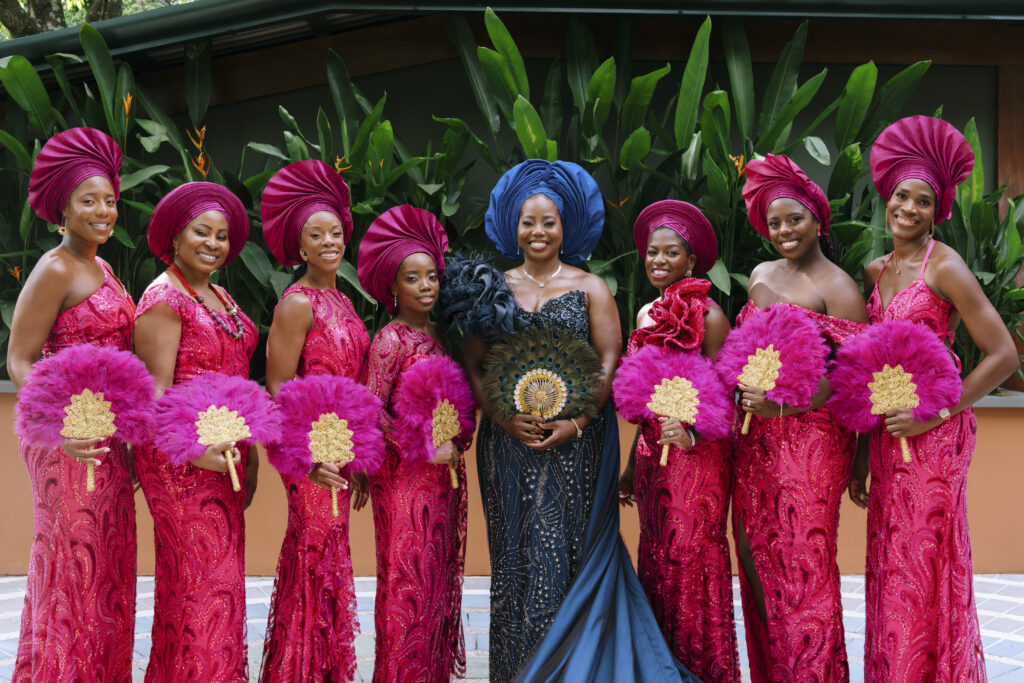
x: 678, y: 317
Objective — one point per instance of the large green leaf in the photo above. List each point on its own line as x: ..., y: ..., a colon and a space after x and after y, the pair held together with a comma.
x: 600, y: 92
x: 382, y: 143
x: 581, y: 61
x: 348, y: 273
x: 157, y: 113
x: 25, y: 87
x: 847, y: 171
x: 500, y: 84
x: 256, y: 262
x: 887, y: 106
x: 741, y: 76
x: 323, y: 128
x: 775, y: 135
x: 56, y: 62
x: 692, y: 85
x: 714, y: 125
x: 690, y: 160
x: 142, y: 175
x: 462, y: 37
x: 782, y: 84
x: 719, y: 276
x: 342, y: 93
x: 856, y: 98
x: 502, y: 40
x: 529, y: 129
x: 297, y: 148
x: 551, y: 104
x: 361, y: 144
x: 972, y: 190
x: 635, y: 150
x: 98, y: 56
x: 481, y: 147
x: 15, y: 147
x: 638, y: 99
x: 197, y: 79
x: 815, y: 146
x: 269, y: 150
x: 122, y: 109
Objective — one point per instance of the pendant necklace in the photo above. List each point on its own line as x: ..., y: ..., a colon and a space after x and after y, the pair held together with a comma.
x: 900, y: 264
x: 538, y: 282
x: 232, y: 310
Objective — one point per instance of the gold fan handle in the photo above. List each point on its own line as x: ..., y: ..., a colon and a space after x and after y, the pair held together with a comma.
x: 664, y: 455
x: 90, y: 476
x: 453, y: 473
x: 905, y: 447
x: 334, y: 501
x: 746, y: 424
x: 235, y: 486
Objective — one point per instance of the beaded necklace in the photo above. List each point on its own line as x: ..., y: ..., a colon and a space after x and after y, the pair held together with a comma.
x: 232, y: 311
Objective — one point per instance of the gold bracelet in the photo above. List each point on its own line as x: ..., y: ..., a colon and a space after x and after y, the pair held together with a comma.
x: 579, y: 432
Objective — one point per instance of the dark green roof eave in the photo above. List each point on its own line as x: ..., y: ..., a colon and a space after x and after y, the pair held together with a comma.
x: 208, y: 18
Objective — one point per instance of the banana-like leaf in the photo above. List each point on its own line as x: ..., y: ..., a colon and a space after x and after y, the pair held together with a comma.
x: 775, y: 135
x: 297, y: 148
x: 15, y: 147
x: 847, y: 171
x: 502, y: 40
x: 56, y: 62
x: 815, y: 146
x: 156, y: 112
x: 690, y: 161
x: 719, y: 276
x: 692, y: 85
x: 782, y: 84
x: 256, y: 262
x: 142, y: 175
x: 890, y: 100
x: 856, y: 99
x: 98, y: 55
x: 343, y: 95
x: 635, y: 150
x: 972, y: 190
x: 269, y: 150
x: 462, y: 37
x: 741, y: 75
x: 714, y: 126
x: 638, y: 99
x: 479, y: 145
x: 551, y: 104
x: 529, y: 129
x: 123, y: 110
x: 323, y: 129
x: 25, y: 87
x: 580, y: 63
x: 197, y: 79
x: 600, y: 92
x: 362, y: 141
x: 382, y: 143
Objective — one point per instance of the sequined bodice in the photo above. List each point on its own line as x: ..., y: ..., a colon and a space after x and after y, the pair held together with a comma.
x: 105, y: 318
x: 395, y: 348
x: 203, y: 346
x: 567, y: 311
x: 835, y: 330
x: 916, y: 303
x: 337, y: 343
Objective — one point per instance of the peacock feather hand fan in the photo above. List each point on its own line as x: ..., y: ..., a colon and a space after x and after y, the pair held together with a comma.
x: 86, y: 392
x: 893, y: 364
x: 433, y: 404
x: 660, y: 382
x: 210, y: 409
x: 326, y: 418
x: 779, y: 350
x: 543, y: 372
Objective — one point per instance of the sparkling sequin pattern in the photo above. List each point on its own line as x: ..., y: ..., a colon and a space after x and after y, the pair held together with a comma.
x: 922, y: 621
x: 791, y: 474
x: 537, y: 505
x: 420, y: 524
x: 78, y: 620
x: 683, y: 556
x: 313, y: 621
x: 199, y: 601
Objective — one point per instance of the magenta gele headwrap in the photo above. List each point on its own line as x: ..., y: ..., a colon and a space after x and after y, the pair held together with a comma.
x: 398, y: 232
x: 294, y: 194
x: 774, y: 177
x: 925, y: 148
x: 684, y: 219
x: 65, y: 161
x: 182, y: 204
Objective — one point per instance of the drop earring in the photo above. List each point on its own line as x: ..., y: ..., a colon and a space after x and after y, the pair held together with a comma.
x: 394, y: 298
x: 303, y: 256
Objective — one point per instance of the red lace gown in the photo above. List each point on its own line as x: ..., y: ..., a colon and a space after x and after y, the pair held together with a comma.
x: 420, y: 523
x: 922, y: 623
x: 78, y: 623
x: 313, y: 620
x: 791, y: 474
x: 199, y: 603
x: 683, y: 559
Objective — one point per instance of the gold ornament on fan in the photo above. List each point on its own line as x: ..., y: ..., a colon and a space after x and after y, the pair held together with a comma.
x: 220, y: 425
x: 88, y: 416
x: 761, y: 371
x: 445, y: 427
x: 893, y: 388
x: 541, y: 393
x: 330, y: 441
x: 675, y: 398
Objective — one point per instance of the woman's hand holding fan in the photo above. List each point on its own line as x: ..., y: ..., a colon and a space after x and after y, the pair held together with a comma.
x: 779, y: 351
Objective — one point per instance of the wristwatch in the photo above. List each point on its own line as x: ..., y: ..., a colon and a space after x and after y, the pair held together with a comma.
x: 944, y: 414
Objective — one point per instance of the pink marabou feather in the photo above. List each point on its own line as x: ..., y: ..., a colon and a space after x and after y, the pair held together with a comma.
x: 802, y: 352
x: 178, y: 408
x: 420, y: 388
x: 641, y: 372
x: 302, y: 401
x: 119, y: 375
x: 897, y: 342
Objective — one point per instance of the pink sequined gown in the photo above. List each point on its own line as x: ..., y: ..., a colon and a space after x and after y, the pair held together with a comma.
x: 313, y: 621
x: 683, y: 559
x: 421, y: 539
x: 922, y: 624
x: 199, y: 604
x: 78, y: 622
x: 791, y: 474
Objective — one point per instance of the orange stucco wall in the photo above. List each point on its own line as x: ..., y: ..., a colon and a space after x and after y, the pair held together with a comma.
x: 993, y: 489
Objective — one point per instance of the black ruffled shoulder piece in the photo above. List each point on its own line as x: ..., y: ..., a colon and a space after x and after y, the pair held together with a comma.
x: 475, y: 297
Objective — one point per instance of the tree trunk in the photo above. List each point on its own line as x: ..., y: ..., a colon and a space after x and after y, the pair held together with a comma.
x: 49, y: 14
x: 104, y: 9
x: 14, y: 17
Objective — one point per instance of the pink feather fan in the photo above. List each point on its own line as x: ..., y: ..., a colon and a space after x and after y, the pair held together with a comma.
x: 336, y: 413
x: 237, y: 406
x: 644, y: 374
x: 788, y: 343
x: 423, y: 388
x: 56, y: 384
x: 899, y: 355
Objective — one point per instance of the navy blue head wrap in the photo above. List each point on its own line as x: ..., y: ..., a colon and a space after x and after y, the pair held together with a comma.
x: 568, y: 185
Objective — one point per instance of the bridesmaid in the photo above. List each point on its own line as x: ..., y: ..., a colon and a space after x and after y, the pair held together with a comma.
x: 312, y: 624
x: 922, y: 623
x: 79, y: 617
x: 419, y: 518
x: 793, y: 466
x: 683, y: 558
x: 187, y: 326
